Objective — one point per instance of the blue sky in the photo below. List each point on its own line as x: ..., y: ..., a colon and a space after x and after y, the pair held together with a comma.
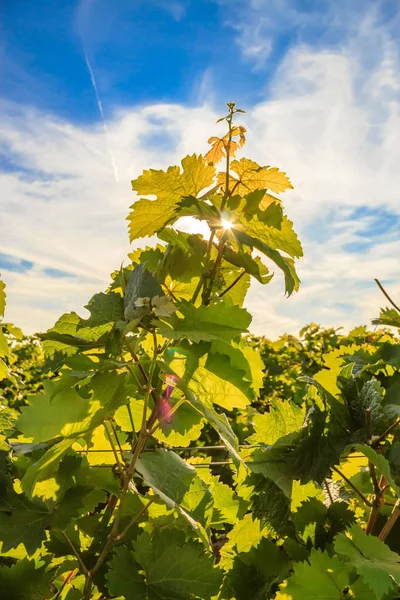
x: 320, y: 81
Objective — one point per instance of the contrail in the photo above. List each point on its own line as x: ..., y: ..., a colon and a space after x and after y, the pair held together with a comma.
x: 99, y: 104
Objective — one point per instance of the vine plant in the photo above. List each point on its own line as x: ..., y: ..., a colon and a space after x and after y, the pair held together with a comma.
x: 102, y: 495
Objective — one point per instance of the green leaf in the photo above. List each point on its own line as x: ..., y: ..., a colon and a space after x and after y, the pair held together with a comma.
x: 228, y: 390
x: 141, y: 284
x: 244, y: 358
x: 172, y: 570
x: 186, y: 426
x: 43, y: 470
x: 149, y: 216
x: 218, y: 422
x: 255, y: 573
x: 320, y: 523
x: 205, y: 323
x: 322, y: 578
x: 123, y: 577
x: 178, y: 571
x: 245, y: 535
x: 25, y: 581
x: 372, y: 559
x: 237, y: 294
x: 388, y: 316
x: 167, y: 474
x: 22, y: 521
x: 228, y: 507
x: 250, y: 176
x: 177, y: 484
x: 252, y: 266
x: 67, y: 336
x: 271, y: 506
x: 284, y: 417
x: 380, y: 463
x: 283, y: 238
x: 292, y: 281
x: 45, y: 418
x: 104, y: 309
x: 3, y: 344
x: 3, y: 370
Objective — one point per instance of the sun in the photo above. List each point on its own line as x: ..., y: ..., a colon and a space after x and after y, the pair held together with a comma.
x: 226, y: 224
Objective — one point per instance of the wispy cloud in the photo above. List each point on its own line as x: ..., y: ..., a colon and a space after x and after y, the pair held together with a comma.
x: 331, y: 119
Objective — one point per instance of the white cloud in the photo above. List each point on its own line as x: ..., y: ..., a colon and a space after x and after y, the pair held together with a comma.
x: 334, y: 133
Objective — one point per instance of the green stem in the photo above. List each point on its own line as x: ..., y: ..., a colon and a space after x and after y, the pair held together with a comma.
x: 228, y: 289
x: 386, y: 294
x: 353, y: 487
x: 82, y: 565
x: 131, y: 420
x: 123, y: 533
x: 328, y: 491
x: 126, y: 476
x: 202, y: 279
x: 387, y: 528
x: 378, y: 439
x: 379, y: 489
x: 109, y: 437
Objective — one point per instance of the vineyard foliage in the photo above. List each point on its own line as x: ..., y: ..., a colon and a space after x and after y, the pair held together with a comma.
x: 155, y: 450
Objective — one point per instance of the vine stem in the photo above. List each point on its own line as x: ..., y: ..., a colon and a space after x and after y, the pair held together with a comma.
x: 378, y: 283
x: 387, y: 528
x: 328, y: 491
x: 137, y: 447
x: 238, y: 278
x: 353, y: 487
x: 379, y: 489
x: 141, y: 369
x: 207, y: 289
x: 123, y: 533
x: 82, y: 565
x: 377, y: 440
x: 114, y: 449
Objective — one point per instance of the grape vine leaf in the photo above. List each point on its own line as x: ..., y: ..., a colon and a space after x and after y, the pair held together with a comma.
x: 205, y: 323
x: 284, y: 238
x: 123, y: 577
x: 44, y: 469
x: 380, y: 462
x: 284, y: 417
x: 243, y: 358
x: 141, y: 284
x: 245, y: 535
x: 104, y: 309
x: 68, y: 414
x: 228, y: 506
x: 254, y: 573
x: 252, y: 266
x: 249, y: 176
x: 218, y: 422
x: 149, y: 216
x: 286, y: 264
x: 167, y: 474
x: 68, y: 337
x: 176, y: 483
x: 25, y: 581
x: 186, y: 426
x: 22, y: 521
x: 220, y: 145
x: 213, y: 384
x: 172, y: 570
x: 373, y: 560
x: 322, y: 578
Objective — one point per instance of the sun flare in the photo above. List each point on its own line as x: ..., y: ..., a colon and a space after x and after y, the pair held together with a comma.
x: 226, y: 224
